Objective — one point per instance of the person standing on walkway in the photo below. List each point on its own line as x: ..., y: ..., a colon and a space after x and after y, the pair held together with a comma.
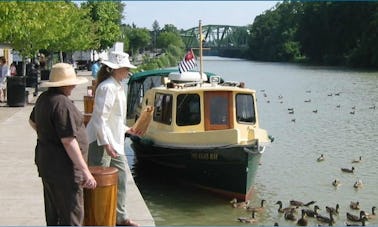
x: 95, y: 68
x: 4, y: 73
x: 106, y: 128
x: 62, y: 147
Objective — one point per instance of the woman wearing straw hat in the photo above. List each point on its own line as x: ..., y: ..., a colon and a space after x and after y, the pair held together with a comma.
x: 106, y: 128
x: 62, y: 147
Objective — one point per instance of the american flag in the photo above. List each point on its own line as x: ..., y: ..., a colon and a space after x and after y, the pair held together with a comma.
x: 189, y: 62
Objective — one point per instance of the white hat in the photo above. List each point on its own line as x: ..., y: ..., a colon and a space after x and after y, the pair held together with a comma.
x: 63, y: 74
x: 118, y: 60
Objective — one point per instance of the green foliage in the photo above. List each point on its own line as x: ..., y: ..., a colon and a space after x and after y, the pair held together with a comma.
x: 331, y: 33
x: 169, y: 38
x: 106, y: 18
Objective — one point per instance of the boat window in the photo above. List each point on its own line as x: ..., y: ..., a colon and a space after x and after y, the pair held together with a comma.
x: 188, y: 110
x: 218, y: 110
x: 245, y: 111
x: 163, y: 108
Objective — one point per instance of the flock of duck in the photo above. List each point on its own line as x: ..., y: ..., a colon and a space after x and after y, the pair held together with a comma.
x: 290, y: 213
x: 308, y: 100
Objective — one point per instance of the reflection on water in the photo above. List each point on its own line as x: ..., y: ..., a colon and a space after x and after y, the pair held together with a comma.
x: 333, y: 114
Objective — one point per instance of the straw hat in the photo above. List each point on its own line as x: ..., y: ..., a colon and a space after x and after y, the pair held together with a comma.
x: 118, y: 60
x: 63, y: 74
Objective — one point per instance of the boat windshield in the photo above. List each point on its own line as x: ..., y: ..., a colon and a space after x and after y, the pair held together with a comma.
x: 245, y: 111
x: 188, y: 110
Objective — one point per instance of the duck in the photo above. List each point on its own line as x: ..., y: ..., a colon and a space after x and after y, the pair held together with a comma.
x: 372, y: 215
x: 346, y: 170
x: 235, y: 204
x: 312, y: 213
x: 333, y: 210
x: 357, y: 160
x: 358, y: 184
x: 300, y: 204
x: 315, y: 111
x: 251, y: 219
x: 321, y: 158
x: 257, y: 209
x: 354, y: 205
x: 336, y: 183
x: 286, y: 209
x: 302, y: 221
x: 289, y: 215
x: 355, y: 218
x: 329, y: 220
x: 355, y: 224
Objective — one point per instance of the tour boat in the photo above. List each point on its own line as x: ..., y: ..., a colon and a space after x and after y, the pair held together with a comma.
x: 203, y: 129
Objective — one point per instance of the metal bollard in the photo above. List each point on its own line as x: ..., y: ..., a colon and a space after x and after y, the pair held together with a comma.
x: 100, y: 203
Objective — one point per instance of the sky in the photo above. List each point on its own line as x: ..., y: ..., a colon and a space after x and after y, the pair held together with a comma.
x: 186, y: 14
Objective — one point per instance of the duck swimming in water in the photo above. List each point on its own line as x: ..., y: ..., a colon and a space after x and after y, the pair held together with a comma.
x: 312, y: 213
x: 329, y: 220
x: 235, y: 204
x: 358, y: 184
x: 372, y: 215
x: 333, y: 210
x: 251, y: 219
x: 286, y: 209
x: 299, y: 203
x: 355, y: 218
x: 320, y: 158
x: 302, y: 221
x: 357, y: 160
x: 257, y: 209
x: 346, y: 170
x: 354, y: 205
x: 336, y: 183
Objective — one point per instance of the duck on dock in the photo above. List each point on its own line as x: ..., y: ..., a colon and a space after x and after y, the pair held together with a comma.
x: 257, y: 209
x: 235, y: 204
x: 354, y: 205
x: 346, y: 170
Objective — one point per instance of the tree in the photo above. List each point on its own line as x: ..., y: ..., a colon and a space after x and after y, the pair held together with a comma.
x: 169, y: 38
x: 106, y: 18
x: 139, y: 38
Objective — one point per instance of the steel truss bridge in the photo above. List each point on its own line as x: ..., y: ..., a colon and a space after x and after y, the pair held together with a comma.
x: 217, y: 38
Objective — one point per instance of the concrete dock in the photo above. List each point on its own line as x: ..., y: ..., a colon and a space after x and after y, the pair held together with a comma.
x: 21, y: 193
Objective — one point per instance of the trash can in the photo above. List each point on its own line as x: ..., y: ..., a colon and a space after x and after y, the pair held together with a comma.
x: 88, y: 104
x: 32, y: 79
x: 100, y: 203
x: 16, y: 91
x: 45, y: 74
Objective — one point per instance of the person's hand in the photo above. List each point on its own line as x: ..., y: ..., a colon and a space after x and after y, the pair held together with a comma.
x: 133, y: 132
x: 89, y: 181
x: 110, y: 150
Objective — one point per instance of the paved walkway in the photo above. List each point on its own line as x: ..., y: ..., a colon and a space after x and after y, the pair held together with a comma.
x: 21, y: 195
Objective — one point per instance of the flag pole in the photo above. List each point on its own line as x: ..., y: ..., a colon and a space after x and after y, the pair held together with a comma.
x: 200, y: 49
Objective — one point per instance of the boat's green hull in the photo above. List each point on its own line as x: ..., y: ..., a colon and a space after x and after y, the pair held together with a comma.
x: 226, y: 170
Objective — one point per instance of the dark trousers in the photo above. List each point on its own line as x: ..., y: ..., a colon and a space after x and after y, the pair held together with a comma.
x: 64, y: 203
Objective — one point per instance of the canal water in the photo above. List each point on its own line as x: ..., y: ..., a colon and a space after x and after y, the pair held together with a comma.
x: 334, y: 115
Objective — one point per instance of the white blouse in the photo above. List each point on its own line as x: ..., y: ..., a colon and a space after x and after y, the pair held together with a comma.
x: 108, y: 122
